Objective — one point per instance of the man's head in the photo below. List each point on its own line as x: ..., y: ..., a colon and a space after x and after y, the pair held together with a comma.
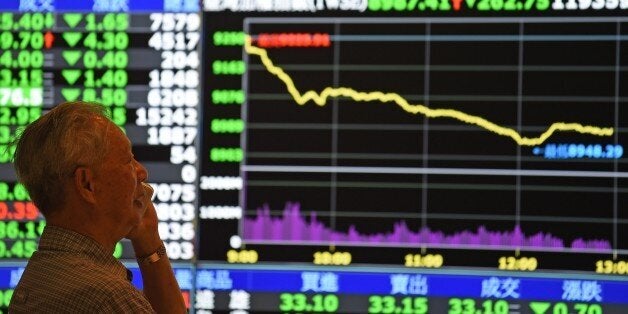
x: 50, y: 149
x: 74, y: 152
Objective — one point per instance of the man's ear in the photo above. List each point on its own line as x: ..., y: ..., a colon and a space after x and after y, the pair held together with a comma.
x: 84, y: 184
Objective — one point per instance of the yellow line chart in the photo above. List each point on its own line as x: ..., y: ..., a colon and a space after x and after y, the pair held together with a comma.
x: 329, y: 92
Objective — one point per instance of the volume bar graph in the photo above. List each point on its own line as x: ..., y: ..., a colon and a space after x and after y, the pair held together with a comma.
x: 292, y: 227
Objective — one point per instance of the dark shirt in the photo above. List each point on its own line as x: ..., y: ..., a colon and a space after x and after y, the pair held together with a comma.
x: 72, y: 273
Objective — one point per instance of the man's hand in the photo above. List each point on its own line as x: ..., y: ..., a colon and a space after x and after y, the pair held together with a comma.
x: 145, y: 236
x: 160, y: 285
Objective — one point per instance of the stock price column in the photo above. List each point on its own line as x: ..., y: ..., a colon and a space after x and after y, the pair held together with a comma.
x: 170, y: 126
x: 25, y: 50
x: 221, y: 183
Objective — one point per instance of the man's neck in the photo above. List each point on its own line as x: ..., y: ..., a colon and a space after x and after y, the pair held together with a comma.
x: 83, y: 227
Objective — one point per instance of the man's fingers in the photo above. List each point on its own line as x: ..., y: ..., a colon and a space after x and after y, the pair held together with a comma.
x: 149, y: 190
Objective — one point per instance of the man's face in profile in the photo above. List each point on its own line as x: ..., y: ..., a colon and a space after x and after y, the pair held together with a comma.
x: 119, y: 191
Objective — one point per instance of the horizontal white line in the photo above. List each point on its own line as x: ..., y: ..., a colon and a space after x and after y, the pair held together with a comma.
x: 430, y: 246
x: 439, y: 171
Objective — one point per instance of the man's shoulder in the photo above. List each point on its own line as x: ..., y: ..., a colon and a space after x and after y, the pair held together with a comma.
x: 75, y: 284
x: 67, y: 268
x: 85, y: 299
x: 74, y: 272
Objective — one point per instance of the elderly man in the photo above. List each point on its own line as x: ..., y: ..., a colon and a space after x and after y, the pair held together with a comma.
x: 81, y: 173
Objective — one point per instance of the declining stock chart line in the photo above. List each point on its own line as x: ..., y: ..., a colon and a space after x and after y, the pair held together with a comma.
x: 321, y: 99
x: 443, y: 134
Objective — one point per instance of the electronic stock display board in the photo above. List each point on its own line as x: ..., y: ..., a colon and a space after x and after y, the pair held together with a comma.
x: 349, y: 156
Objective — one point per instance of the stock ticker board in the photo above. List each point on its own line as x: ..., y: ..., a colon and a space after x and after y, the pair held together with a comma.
x: 349, y: 156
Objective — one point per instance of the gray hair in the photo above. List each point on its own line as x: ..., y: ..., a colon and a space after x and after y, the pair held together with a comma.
x: 49, y: 150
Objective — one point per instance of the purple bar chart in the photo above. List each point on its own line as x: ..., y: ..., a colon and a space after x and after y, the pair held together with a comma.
x: 293, y: 227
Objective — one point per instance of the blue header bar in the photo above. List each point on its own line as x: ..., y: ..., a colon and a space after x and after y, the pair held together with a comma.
x: 430, y: 285
x: 104, y: 6
x: 366, y: 283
